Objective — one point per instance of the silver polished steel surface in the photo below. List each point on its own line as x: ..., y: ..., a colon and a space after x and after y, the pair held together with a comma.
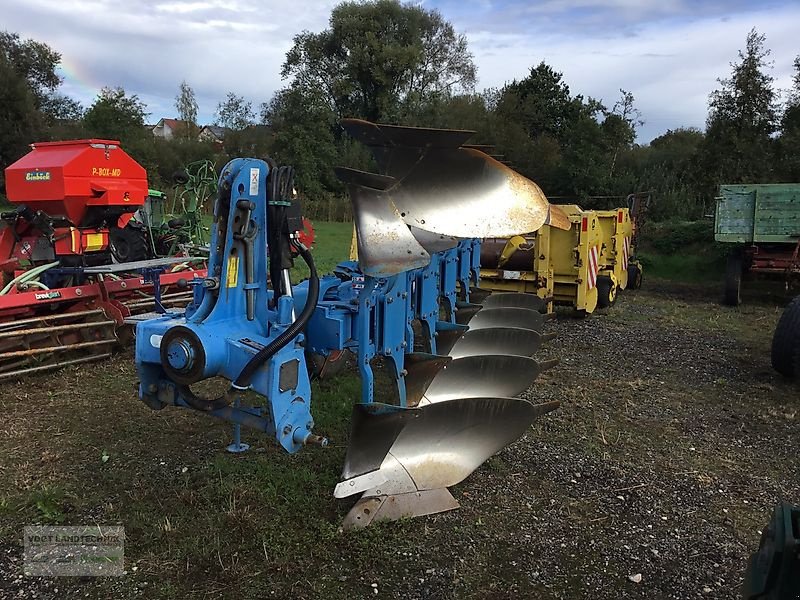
x: 373, y: 429
x: 495, y: 340
x: 515, y: 300
x: 482, y: 376
x: 434, y: 242
x: 453, y: 438
x: 392, y: 507
x: 503, y: 317
x: 447, y: 189
x: 421, y: 369
x: 385, y: 244
x: 454, y: 191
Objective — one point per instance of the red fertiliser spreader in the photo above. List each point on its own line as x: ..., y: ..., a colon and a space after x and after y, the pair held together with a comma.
x: 76, y: 261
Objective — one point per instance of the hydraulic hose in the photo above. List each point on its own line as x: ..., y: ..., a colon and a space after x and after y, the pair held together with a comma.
x: 27, y: 276
x: 263, y: 355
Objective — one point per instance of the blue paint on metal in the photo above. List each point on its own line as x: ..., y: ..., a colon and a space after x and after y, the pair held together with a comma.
x: 370, y: 316
x: 221, y: 338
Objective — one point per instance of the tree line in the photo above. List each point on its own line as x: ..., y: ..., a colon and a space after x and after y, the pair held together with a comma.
x: 390, y: 62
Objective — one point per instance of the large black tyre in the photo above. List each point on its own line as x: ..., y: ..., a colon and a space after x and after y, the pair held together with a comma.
x: 606, y: 291
x: 733, y: 280
x: 127, y: 244
x: 786, y: 341
x: 634, y: 277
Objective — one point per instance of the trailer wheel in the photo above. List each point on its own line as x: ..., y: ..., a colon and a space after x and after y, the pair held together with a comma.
x: 127, y: 244
x: 733, y: 280
x: 786, y: 341
x: 634, y: 277
x: 606, y: 291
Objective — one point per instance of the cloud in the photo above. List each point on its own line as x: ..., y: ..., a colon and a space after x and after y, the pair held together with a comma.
x: 671, y: 65
x: 668, y: 53
x: 149, y: 48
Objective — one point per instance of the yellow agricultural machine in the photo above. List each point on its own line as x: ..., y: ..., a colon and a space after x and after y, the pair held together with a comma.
x: 583, y: 267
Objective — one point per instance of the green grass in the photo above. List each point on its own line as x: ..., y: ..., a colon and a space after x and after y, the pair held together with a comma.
x: 691, y: 267
x: 331, y: 246
x: 78, y: 447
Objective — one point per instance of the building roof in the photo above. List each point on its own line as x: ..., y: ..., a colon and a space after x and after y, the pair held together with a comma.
x: 171, y: 123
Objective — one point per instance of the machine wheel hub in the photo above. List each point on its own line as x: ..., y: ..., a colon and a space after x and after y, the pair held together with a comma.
x: 182, y: 355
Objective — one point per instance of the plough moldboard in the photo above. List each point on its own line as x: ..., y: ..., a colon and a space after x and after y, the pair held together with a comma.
x: 459, y: 358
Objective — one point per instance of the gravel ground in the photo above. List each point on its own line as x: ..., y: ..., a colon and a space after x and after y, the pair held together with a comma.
x: 673, y: 443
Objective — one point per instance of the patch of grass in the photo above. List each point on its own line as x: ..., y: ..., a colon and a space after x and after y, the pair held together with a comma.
x: 50, y: 505
x: 204, y: 523
x: 746, y: 323
x: 331, y: 246
x: 692, y: 267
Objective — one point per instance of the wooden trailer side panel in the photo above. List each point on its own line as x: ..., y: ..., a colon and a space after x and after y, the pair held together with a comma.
x: 768, y: 213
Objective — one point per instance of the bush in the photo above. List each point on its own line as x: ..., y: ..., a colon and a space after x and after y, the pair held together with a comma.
x: 670, y: 237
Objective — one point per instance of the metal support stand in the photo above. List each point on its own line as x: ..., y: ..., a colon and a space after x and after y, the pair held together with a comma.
x: 152, y: 275
x: 237, y: 446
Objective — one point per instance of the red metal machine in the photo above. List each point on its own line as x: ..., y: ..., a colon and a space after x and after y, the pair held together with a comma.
x: 74, y: 264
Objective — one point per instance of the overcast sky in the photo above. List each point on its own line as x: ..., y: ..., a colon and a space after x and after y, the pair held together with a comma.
x: 667, y: 52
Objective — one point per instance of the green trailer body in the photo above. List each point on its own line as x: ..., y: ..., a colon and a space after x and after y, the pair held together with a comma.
x: 763, y: 222
x: 758, y: 214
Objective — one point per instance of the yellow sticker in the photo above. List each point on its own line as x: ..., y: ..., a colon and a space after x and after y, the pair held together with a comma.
x: 106, y: 172
x: 93, y: 242
x: 233, y: 271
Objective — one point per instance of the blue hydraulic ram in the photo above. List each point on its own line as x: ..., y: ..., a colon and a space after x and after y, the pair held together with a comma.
x: 459, y: 365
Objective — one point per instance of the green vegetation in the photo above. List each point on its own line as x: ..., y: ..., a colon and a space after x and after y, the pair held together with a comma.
x: 682, y: 251
x: 401, y: 63
x: 331, y: 247
x: 202, y: 522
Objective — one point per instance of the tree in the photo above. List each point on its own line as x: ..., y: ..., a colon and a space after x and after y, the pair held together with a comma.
x: 59, y: 108
x: 115, y: 115
x: 619, y: 126
x: 19, y: 118
x: 234, y: 112
x: 541, y: 102
x: 742, y: 118
x: 381, y: 60
x: 550, y: 135
x: 789, y: 140
x: 34, y: 61
x: 186, y: 105
x: 302, y: 125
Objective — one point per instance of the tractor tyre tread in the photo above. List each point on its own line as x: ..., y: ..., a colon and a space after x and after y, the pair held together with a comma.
x: 733, y: 280
x: 785, y: 353
x: 604, y: 287
x: 634, y: 277
x: 128, y: 244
